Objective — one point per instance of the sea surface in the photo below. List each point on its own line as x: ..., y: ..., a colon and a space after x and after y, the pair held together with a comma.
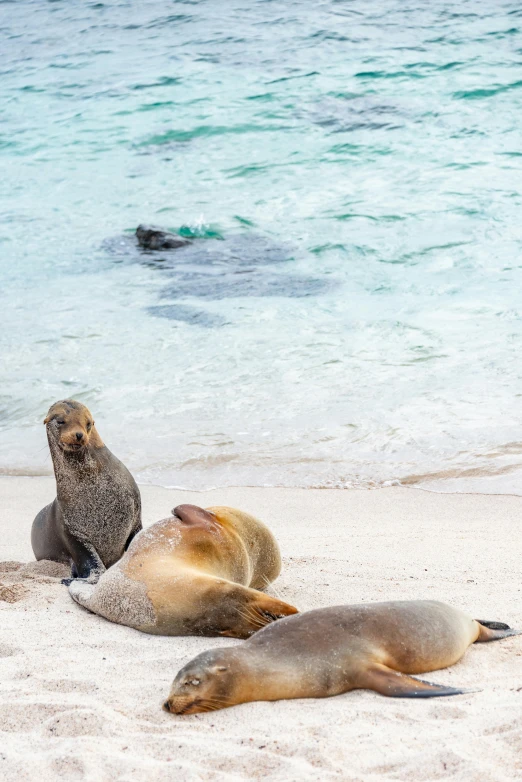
x: 350, y: 310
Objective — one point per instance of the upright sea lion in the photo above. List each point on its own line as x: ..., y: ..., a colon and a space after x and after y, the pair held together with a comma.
x: 97, y: 510
x: 331, y: 651
x: 195, y: 573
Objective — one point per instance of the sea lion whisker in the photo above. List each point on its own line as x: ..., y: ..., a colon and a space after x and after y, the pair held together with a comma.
x: 267, y: 617
x: 275, y: 590
x: 214, y: 704
x: 219, y: 699
x: 259, y: 618
x: 188, y: 706
x: 251, y: 616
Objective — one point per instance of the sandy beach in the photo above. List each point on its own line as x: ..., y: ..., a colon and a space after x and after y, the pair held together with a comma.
x: 81, y: 697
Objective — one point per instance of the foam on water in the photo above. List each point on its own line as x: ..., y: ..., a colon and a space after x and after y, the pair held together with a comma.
x: 350, y: 311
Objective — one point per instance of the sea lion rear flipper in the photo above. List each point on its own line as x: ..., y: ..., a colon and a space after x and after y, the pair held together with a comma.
x: 192, y: 514
x: 397, y: 685
x: 493, y: 631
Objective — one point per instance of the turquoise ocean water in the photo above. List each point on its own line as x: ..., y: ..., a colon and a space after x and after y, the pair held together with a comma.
x: 350, y: 311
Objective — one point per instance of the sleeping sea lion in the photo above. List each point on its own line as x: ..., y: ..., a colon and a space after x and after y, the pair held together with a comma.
x: 97, y: 510
x: 195, y: 573
x: 330, y: 651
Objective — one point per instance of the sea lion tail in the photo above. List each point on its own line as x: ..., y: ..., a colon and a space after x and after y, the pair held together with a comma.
x: 494, y: 631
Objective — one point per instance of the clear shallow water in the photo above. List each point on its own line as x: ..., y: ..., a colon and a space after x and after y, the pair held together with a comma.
x: 359, y: 321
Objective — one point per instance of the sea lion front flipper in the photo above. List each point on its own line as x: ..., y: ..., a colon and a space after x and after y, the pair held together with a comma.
x: 81, y: 591
x: 397, y: 685
x: 86, y: 562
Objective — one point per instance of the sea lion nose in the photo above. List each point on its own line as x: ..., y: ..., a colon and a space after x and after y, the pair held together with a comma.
x: 79, y: 436
x: 166, y: 706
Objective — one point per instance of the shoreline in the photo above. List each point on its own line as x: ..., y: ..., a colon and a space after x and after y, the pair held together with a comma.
x: 82, y: 697
x: 498, y: 485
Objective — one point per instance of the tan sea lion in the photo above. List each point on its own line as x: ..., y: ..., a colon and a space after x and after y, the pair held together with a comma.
x: 330, y: 651
x: 97, y: 510
x: 195, y: 573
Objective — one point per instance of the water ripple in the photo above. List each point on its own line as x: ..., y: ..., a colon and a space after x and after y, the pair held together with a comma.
x: 349, y: 174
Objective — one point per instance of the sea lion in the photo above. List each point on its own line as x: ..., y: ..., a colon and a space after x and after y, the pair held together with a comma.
x: 97, y: 510
x: 330, y: 651
x: 195, y: 573
x: 152, y: 238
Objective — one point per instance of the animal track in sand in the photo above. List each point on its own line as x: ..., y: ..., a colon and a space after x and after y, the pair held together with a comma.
x: 68, y: 767
x: 10, y: 566
x: 439, y: 765
x: 447, y: 712
x: 44, y: 570
x: 505, y: 727
x: 75, y: 722
x: 12, y: 593
x: 513, y: 739
x: 22, y: 717
x: 67, y: 685
x: 8, y: 651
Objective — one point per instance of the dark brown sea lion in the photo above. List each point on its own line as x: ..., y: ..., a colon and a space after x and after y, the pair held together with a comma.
x: 331, y: 651
x: 152, y: 238
x: 195, y: 573
x: 97, y: 510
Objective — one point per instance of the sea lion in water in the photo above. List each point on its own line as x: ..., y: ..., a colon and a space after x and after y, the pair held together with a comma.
x: 97, y: 510
x: 195, y: 573
x: 152, y: 238
x: 330, y: 651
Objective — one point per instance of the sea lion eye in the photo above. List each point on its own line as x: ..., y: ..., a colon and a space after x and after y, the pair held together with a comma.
x: 89, y: 426
x: 60, y: 421
x: 193, y: 682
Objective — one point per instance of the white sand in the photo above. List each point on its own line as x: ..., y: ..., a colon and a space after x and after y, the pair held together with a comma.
x: 81, y: 697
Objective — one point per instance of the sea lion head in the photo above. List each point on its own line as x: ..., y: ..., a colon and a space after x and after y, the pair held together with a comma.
x: 209, y: 682
x: 70, y: 426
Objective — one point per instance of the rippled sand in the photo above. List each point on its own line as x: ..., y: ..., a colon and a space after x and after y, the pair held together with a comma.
x: 81, y: 698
